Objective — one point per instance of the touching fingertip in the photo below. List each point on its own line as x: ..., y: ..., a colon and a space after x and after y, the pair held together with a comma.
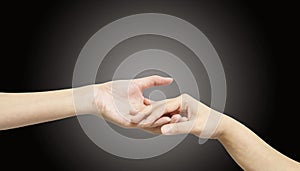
x: 183, y: 119
x: 166, y: 129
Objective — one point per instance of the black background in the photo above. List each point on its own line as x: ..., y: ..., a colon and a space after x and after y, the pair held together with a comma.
x: 42, y: 39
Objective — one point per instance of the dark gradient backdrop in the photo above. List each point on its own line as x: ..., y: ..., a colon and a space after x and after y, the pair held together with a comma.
x: 257, y: 44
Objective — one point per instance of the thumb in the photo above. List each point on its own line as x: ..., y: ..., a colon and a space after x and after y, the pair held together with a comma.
x: 177, y: 128
x: 151, y: 81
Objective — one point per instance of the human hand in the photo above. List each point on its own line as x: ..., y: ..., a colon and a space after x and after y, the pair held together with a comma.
x: 187, y: 114
x: 122, y: 101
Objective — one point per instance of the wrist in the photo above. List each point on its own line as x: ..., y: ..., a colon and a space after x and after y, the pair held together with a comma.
x: 209, y: 124
x: 224, y: 127
x: 84, y: 100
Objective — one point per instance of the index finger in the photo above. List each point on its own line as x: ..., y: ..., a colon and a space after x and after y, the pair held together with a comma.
x: 151, y: 81
x: 168, y: 106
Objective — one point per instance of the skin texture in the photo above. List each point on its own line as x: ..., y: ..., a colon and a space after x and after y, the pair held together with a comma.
x: 245, y: 147
x: 21, y: 109
x: 250, y: 151
x: 114, y: 101
x: 122, y: 102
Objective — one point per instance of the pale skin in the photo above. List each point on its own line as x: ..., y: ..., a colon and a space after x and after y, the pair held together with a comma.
x: 180, y: 115
x: 21, y: 109
x: 248, y: 150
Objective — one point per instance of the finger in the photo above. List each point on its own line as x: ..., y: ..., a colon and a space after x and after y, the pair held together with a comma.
x: 177, y: 128
x: 175, y: 118
x: 138, y: 108
x: 133, y: 111
x: 183, y: 119
x: 161, y: 121
x: 151, y: 81
x: 154, y: 130
x: 147, y: 101
x: 141, y: 114
x: 164, y: 107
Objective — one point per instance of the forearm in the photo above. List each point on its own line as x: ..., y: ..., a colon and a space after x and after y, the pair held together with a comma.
x: 21, y: 109
x: 249, y: 151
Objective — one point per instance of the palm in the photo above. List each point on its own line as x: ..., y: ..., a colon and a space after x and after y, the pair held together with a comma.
x: 118, y: 101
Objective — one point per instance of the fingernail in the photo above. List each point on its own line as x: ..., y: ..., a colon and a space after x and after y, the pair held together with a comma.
x: 166, y: 130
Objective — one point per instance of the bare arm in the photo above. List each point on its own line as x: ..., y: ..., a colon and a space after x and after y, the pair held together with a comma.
x: 250, y: 151
x: 21, y: 109
x: 107, y: 99
x: 245, y: 147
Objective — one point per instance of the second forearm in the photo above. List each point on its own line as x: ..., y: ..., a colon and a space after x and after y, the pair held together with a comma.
x: 250, y: 151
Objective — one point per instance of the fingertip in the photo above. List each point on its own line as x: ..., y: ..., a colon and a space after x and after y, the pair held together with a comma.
x: 161, y: 121
x: 183, y: 119
x: 159, y: 80
x: 167, y: 119
x: 175, y: 118
x: 168, y: 79
x: 154, y: 80
x: 166, y: 129
x: 147, y: 101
